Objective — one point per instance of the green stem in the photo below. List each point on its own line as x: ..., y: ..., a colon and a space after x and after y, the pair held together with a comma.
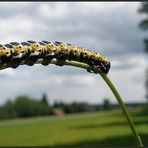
x: 111, y: 86
x: 124, y: 110
x: 118, y: 97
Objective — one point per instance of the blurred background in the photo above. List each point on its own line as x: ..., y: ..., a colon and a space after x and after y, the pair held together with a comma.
x: 52, y: 105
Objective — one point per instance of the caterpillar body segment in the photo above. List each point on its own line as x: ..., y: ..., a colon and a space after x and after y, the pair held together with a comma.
x: 10, y: 56
x: 5, y: 54
x: 36, y: 52
x: 51, y: 52
x: 27, y: 58
x: 29, y: 52
x: 9, y: 51
x: 74, y: 53
x: 37, y: 49
x: 63, y: 51
x: 85, y: 55
x: 27, y: 48
x: 17, y: 54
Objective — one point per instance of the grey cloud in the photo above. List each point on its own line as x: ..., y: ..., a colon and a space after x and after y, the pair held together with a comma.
x: 109, y: 29
x: 103, y: 29
x: 11, y: 9
x: 94, y: 31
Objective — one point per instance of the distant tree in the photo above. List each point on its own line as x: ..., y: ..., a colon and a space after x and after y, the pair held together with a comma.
x: 81, y: 107
x: 84, y: 107
x: 146, y: 84
x: 97, y: 107
x: 59, y: 104
x: 3, y: 113
x: 74, y: 107
x: 9, y: 108
x: 44, y: 99
x: 23, y: 106
x: 68, y: 108
x: 26, y: 107
x: 144, y: 26
x: 144, y: 23
x: 56, y: 104
x: 106, y: 104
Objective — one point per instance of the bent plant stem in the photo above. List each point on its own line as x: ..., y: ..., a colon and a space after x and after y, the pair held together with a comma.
x: 111, y: 86
x: 118, y: 97
x: 124, y: 110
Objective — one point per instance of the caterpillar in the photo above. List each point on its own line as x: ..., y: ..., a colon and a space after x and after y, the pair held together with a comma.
x: 29, y: 52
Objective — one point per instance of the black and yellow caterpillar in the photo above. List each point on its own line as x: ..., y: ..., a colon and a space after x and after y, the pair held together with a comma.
x: 29, y: 52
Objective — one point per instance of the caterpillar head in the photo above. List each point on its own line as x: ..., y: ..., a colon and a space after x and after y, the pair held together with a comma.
x: 105, y: 67
x: 107, y: 64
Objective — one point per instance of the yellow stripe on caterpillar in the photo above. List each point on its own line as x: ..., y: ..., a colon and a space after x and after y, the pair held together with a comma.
x: 31, y: 51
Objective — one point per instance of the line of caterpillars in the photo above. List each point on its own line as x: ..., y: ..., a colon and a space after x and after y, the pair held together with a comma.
x: 29, y: 52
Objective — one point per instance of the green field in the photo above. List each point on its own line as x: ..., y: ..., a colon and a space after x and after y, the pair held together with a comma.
x: 87, y: 129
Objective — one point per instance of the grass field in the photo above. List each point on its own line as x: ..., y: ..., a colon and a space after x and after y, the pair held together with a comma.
x: 87, y: 129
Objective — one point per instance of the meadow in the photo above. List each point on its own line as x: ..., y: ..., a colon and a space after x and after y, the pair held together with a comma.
x: 104, y: 128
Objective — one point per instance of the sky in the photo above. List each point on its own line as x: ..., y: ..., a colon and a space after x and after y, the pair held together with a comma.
x: 110, y: 28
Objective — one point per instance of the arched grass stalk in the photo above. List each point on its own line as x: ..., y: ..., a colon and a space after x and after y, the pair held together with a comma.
x: 111, y: 86
x: 124, y: 110
x: 118, y: 97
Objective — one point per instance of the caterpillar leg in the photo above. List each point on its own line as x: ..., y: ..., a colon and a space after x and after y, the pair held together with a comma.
x: 46, y: 62
x: 95, y: 69
x: 47, y: 59
x: 30, y: 61
x: 89, y: 70
x: 73, y: 57
x: 13, y: 64
x: 61, y: 58
x: 60, y: 63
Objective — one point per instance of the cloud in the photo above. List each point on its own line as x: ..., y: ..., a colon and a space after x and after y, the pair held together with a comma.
x: 130, y: 61
x: 51, y: 11
x: 79, y: 80
x: 111, y: 29
x: 72, y: 22
x: 7, y: 72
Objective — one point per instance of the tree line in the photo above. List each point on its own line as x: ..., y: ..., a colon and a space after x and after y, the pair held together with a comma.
x: 24, y: 106
x: 143, y: 9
